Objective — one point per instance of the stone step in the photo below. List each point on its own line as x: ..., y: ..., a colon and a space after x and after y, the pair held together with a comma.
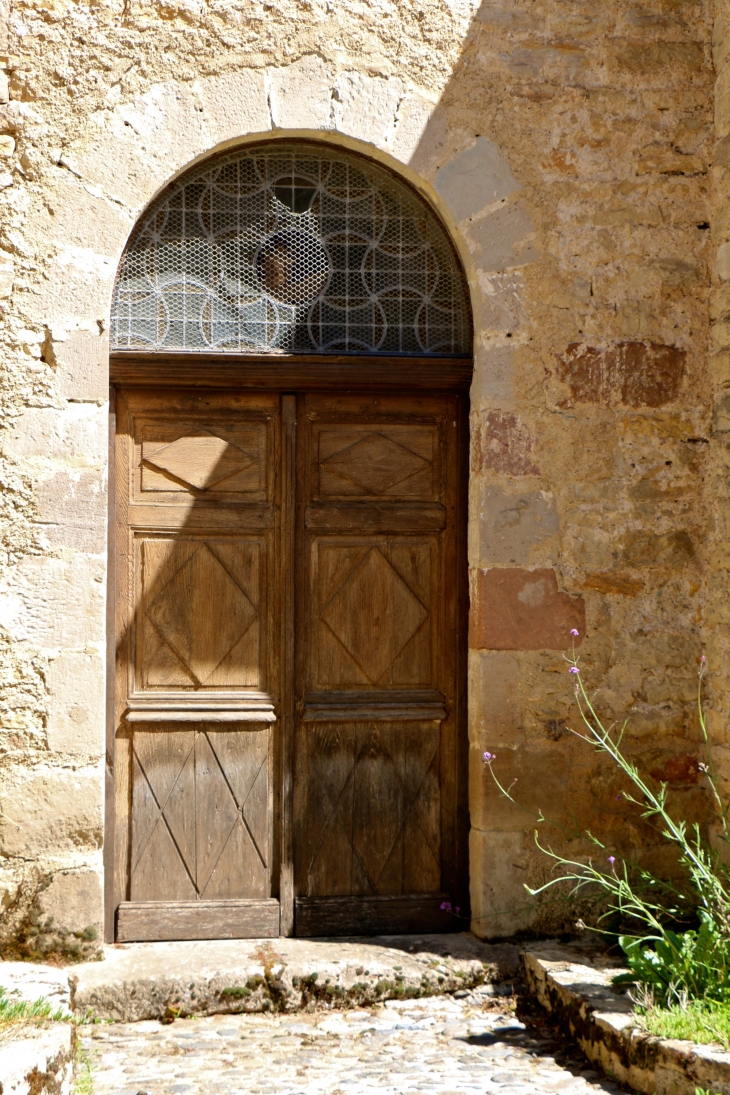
x: 37, y: 1059
x: 138, y: 981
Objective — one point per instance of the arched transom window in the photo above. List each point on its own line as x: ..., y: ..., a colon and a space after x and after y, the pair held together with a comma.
x: 293, y: 248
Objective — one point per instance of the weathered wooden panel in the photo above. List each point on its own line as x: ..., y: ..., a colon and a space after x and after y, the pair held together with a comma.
x: 387, y: 460
x: 203, y: 460
x: 386, y: 583
x: 392, y: 915
x: 373, y: 818
x: 201, y: 817
x: 149, y: 921
x: 199, y: 621
x: 213, y: 459
x: 379, y: 680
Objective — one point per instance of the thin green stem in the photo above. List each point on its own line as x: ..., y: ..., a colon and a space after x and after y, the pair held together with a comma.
x: 681, y: 965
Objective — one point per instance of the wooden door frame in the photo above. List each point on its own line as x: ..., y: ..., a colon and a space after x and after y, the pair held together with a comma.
x: 288, y: 375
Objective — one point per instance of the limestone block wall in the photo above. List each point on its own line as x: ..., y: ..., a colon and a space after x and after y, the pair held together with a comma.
x: 566, y: 147
x: 717, y: 618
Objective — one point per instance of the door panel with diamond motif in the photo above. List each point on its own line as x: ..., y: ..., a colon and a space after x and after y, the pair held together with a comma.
x: 199, y: 626
x: 180, y: 643
x: 199, y: 813
x: 379, y: 696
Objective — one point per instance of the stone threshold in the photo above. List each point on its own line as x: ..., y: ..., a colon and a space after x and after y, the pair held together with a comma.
x: 574, y: 985
x: 136, y: 981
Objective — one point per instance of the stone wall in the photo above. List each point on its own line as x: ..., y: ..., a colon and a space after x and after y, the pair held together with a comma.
x: 717, y: 619
x: 566, y: 145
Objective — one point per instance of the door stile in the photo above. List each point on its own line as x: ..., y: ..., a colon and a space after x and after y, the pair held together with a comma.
x: 453, y: 731
x: 123, y: 611
x: 301, y: 648
x: 109, y: 819
x: 444, y: 651
x: 287, y: 586
x: 461, y: 493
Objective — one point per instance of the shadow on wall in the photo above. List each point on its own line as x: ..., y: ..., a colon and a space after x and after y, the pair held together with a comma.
x: 583, y: 358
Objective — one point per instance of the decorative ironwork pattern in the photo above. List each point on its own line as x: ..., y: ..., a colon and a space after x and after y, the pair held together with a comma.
x: 290, y: 248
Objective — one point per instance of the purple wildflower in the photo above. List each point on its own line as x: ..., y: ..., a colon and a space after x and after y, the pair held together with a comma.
x: 575, y: 632
x: 446, y: 906
x: 489, y: 757
x: 612, y: 859
x: 574, y: 669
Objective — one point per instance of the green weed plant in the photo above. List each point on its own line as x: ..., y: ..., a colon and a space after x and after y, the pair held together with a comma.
x: 699, y: 1021
x: 673, y: 966
x: 13, y: 1009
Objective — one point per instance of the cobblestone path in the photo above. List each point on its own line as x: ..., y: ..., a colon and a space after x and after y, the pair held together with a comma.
x: 436, y: 1045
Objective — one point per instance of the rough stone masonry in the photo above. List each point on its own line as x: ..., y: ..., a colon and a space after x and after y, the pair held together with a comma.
x: 579, y: 153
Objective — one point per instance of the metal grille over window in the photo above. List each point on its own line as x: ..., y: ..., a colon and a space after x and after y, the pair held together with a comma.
x: 290, y: 249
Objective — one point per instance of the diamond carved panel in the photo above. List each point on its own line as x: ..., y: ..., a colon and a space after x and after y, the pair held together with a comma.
x: 393, y: 463
x: 374, y: 615
x: 204, y: 461
x: 200, y: 817
x: 374, y: 809
x: 200, y: 615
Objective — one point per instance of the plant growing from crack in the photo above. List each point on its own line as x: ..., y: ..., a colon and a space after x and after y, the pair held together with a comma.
x: 673, y: 965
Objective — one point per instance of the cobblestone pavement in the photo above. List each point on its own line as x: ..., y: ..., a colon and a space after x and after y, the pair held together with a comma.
x: 436, y: 1045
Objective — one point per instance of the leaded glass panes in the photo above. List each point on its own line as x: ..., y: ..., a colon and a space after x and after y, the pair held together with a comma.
x: 290, y: 248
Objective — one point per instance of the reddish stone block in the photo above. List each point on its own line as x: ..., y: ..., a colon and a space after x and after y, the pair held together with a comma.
x: 682, y: 769
x: 502, y: 443
x: 635, y: 374
x: 522, y: 610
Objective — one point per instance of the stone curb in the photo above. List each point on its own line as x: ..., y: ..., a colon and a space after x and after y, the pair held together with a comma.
x: 163, y: 980
x: 575, y: 987
x: 38, y: 1061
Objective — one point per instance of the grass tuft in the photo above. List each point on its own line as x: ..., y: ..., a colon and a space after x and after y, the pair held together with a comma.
x: 702, y: 1021
x: 13, y: 1010
x: 84, y: 1078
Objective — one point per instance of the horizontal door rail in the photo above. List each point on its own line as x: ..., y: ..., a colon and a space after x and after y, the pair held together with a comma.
x: 300, y: 373
x: 147, y: 921
x: 202, y: 515
x: 167, y: 714
x: 256, y: 707
x: 369, y: 914
x: 375, y: 517
x: 417, y: 706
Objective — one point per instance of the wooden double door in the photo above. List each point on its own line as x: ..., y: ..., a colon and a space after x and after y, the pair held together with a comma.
x: 289, y: 743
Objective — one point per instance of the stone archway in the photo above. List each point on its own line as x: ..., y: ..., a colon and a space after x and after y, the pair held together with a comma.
x: 289, y: 744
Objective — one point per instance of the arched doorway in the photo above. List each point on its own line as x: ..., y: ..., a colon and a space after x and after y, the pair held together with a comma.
x: 291, y: 356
